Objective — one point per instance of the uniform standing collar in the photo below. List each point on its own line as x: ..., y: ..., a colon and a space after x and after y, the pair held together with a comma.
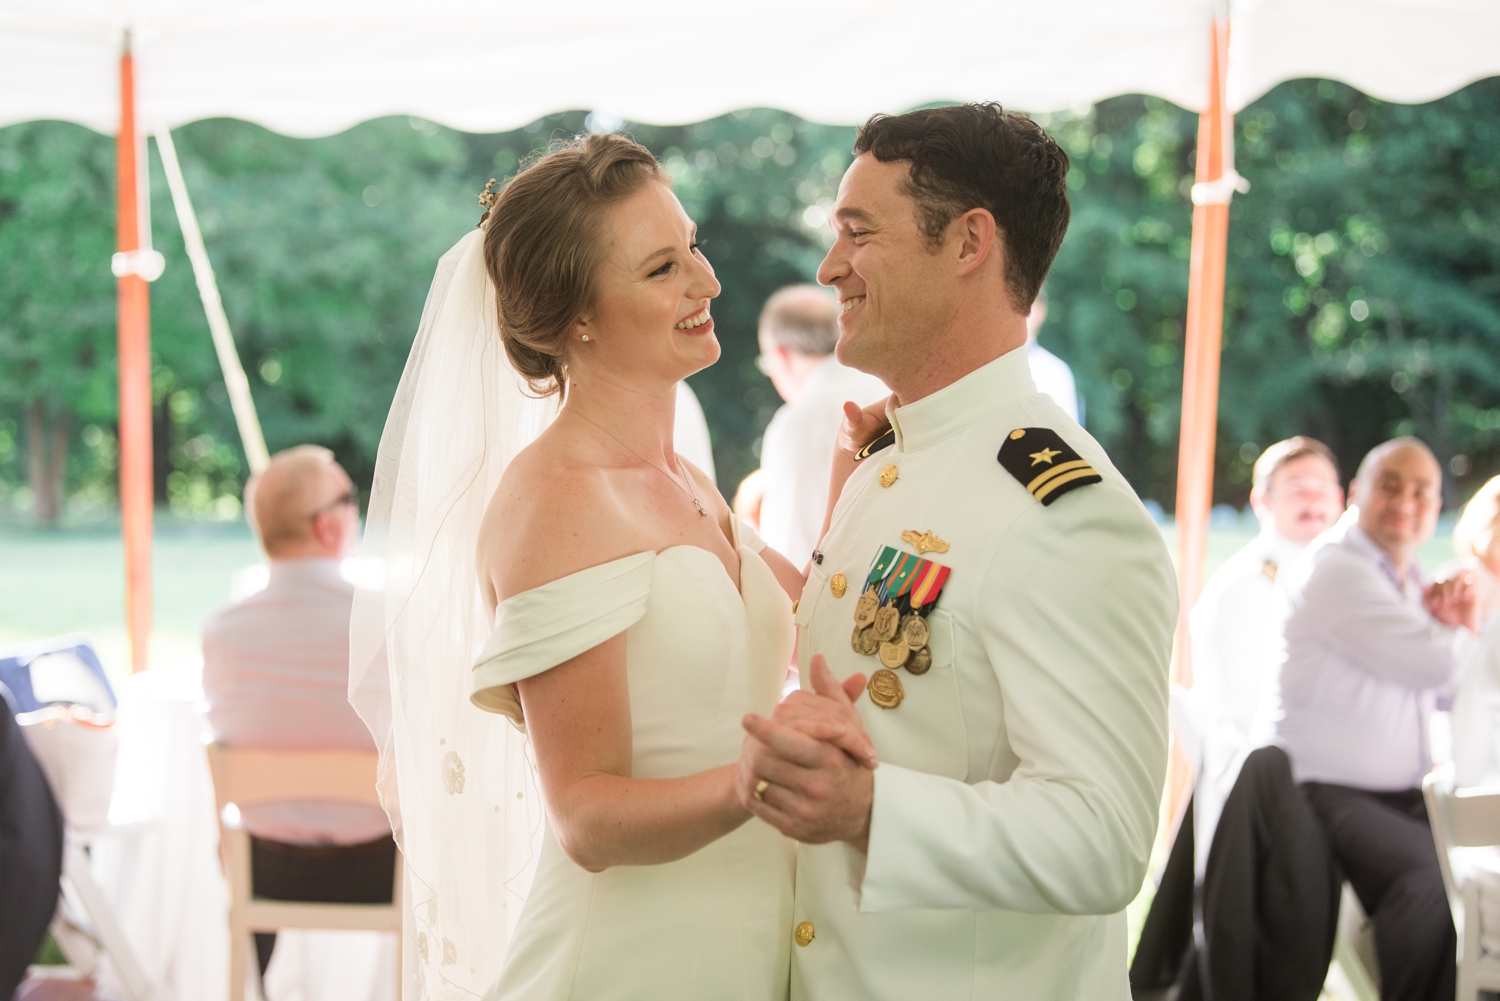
x: 960, y: 405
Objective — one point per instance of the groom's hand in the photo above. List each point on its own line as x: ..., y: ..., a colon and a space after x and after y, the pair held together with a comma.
x: 815, y: 792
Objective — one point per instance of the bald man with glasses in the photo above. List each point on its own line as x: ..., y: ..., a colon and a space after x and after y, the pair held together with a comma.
x: 276, y: 674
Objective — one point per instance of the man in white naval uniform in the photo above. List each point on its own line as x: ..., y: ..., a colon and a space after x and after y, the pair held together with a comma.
x: 1022, y: 731
x: 1236, y: 623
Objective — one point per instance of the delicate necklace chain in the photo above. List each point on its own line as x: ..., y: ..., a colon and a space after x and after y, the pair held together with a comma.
x: 692, y: 494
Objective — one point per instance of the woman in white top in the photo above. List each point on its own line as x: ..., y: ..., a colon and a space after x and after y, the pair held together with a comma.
x: 635, y: 620
x: 1476, y: 707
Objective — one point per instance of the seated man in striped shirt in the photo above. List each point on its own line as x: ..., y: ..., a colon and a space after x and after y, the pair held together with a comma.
x: 276, y: 673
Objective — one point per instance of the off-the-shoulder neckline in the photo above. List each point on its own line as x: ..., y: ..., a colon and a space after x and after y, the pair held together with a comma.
x: 653, y: 554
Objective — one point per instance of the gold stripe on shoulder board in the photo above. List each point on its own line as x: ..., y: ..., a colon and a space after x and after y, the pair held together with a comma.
x: 1045, y: 464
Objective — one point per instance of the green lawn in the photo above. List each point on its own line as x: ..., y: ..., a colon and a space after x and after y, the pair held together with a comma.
x: 73, y: 580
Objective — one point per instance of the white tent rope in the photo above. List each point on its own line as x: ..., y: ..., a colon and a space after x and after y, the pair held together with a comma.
x: 218, y: 323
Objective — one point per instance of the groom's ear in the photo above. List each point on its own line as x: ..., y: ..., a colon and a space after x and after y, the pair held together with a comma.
x: 978, y: 240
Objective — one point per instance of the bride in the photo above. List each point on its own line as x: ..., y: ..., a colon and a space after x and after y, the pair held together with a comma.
x: 635, y: 619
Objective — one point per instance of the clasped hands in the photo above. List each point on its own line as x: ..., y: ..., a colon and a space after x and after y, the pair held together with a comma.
x: 808, y: 771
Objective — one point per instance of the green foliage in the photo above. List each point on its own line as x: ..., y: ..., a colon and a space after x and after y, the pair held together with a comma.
x: 57, y: 316
x: 1363, y: 291
x: 1363, y: 296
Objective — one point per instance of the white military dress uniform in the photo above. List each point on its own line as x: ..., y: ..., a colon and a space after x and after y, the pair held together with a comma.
x: 1237, y: 648
x: 1016, y: 801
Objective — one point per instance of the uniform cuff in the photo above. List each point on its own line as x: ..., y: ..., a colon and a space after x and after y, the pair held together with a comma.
x: 899, y: 815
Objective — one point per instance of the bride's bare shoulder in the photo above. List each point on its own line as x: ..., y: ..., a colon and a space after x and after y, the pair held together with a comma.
x: 553, y: 514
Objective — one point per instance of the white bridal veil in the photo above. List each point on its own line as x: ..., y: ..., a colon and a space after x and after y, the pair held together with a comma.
x: 454, y: 780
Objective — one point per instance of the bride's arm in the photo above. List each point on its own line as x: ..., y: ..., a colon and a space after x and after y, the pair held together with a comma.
x: 578, y: 720
x: 860, y: 427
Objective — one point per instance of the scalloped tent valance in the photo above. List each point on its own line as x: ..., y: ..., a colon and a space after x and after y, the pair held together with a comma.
x: 314, y: 67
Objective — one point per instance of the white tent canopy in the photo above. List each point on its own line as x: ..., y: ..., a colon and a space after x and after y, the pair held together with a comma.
x: 315, y: 67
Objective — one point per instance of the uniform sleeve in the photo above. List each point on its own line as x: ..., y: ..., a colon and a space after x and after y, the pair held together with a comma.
x: 1076, y: 618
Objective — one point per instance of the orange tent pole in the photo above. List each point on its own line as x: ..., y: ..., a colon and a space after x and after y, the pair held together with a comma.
x: 1200, y: 369
x: 1215, y: 179
x: 134, y: 335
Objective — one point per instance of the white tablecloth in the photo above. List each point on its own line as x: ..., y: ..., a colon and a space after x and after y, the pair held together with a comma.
x: 161, y: 868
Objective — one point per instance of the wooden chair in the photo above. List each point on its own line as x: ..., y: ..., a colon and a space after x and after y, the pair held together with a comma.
x: 246, y: 776
x: 1464, y: 818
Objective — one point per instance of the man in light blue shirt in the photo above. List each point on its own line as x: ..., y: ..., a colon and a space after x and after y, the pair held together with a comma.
x: 1370, y: 648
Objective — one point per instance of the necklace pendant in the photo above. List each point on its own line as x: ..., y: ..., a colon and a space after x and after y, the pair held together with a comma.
x: 702, y: 511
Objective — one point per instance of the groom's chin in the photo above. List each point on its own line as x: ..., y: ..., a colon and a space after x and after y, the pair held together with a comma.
x: 854, y: 350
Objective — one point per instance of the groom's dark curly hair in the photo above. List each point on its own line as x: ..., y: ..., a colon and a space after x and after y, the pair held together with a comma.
x: 981, y: 156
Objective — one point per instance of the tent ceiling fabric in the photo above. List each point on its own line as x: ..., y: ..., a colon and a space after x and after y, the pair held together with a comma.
x: 315, y: 67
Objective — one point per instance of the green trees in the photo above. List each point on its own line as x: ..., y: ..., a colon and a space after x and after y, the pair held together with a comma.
x: 1363, y: 298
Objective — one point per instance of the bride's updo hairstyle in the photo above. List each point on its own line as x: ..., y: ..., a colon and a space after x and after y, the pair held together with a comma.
x: 545, y: 242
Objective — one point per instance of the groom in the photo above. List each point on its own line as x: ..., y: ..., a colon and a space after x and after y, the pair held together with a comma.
x: 1002, y: 588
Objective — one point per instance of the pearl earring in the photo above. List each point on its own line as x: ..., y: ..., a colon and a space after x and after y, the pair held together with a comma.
x: 585, y: 336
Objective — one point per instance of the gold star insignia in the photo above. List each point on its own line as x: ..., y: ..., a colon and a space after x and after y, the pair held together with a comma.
x: 1045, y: 455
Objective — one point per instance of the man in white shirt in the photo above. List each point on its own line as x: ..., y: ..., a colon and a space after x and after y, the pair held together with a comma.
x: 1369, y: 650
x: 276, y: 675
x: 798, y: 330
x: 1050, y: 373
x: 1236, y: 624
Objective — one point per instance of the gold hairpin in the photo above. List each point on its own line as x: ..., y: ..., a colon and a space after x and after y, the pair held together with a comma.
x: 488, y: 197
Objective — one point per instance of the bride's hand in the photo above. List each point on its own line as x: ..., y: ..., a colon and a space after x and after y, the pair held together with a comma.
x: 828, y: 714
x: 860, y: 427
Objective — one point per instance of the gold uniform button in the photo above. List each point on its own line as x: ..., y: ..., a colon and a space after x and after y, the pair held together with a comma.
x: 803, y: 933
x: 838, y: 584
x: 888, y: 475
x: 1018, y: 433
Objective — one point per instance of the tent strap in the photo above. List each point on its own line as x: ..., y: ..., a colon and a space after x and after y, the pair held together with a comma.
x: 235, y: 382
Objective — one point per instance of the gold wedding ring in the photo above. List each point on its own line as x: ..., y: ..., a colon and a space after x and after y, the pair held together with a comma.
x: 760, y: 789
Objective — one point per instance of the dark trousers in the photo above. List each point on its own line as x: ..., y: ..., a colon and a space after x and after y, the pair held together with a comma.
x: 1261, y: 925
x: 1384, y: 845
x: 325, y: 874
x: 31, y: 844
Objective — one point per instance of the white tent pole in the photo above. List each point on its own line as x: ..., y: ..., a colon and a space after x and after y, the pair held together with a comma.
x: 218, y: 323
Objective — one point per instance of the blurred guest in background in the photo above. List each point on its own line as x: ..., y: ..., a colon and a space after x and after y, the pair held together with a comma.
x: 748, y: 496
x: 276, y: 674
x: 1476, y: 708
x: 798, y: 331
x: 1251, y: 854
x: 1050, y: 373
x: 1236, y: 624
x: 1370, y: 649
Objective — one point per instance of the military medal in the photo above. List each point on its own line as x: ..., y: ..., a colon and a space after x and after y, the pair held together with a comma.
x: 893, y: 655
x: 920, y: 661
x: 864, y: 641
x: 891, y: 615
x: 885, y: 689
x: 914, y: 631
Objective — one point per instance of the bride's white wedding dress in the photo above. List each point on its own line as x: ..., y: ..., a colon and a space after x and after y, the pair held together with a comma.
x: 700, y: 653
